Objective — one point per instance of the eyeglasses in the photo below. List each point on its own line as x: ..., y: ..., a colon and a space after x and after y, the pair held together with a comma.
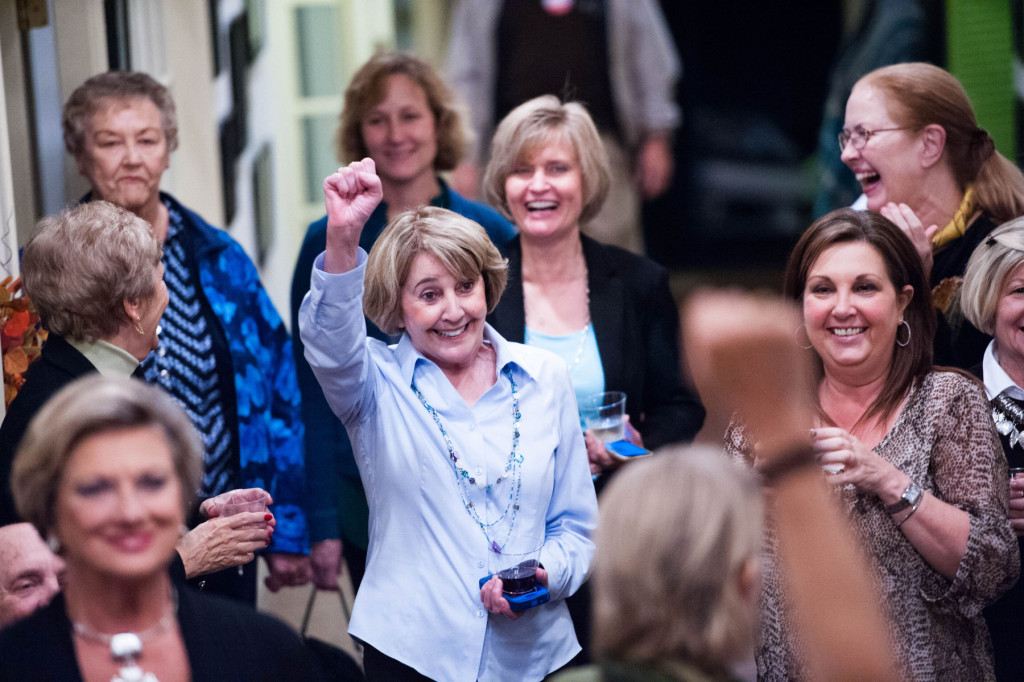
x: 860, y: 136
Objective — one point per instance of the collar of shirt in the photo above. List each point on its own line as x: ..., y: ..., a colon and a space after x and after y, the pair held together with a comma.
x: 408, y: 357
x: 109, y: 360
x: 995, y: 377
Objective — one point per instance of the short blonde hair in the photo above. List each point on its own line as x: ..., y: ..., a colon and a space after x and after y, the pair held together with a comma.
x: 675, y: 533
x: 990, y: 265
x: 81, y: 265
x: 539, y: 122
x: 368, y: 88
x: 92, y: 405
x: 460, y: 244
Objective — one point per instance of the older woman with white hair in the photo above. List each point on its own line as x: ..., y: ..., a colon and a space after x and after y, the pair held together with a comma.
x: 992, y: 299
x: 467, y: 445
x: 95, y: 275
x: 224, y: 354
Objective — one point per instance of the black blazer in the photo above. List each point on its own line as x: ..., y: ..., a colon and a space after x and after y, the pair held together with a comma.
x: 224, y: 641
x: 57, y: 366
x: 637, y: 329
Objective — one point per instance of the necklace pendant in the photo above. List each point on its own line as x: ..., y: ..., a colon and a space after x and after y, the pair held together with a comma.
x: 480, y: 483
x: 1003, y: 427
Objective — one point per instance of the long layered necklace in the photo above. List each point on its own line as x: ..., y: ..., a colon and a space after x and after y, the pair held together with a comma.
x: 465, y: 481
x: 1009, y: 419
x: 126, y: 647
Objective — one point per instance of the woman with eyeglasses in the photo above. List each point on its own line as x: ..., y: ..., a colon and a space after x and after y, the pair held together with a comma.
x: 912, y: 140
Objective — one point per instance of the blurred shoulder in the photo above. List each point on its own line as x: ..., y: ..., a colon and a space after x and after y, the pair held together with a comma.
x: 226, y: 625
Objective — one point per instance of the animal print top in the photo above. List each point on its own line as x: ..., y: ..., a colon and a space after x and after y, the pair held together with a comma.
x: 944, y: 439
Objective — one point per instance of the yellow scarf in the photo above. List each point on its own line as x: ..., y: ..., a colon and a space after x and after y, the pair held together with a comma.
x: 958, y: 225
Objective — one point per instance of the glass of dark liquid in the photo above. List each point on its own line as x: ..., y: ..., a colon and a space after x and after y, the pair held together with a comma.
x: 516, y: 565
x: 519, y: 579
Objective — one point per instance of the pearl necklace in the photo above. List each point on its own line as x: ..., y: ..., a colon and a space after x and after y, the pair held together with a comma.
x: 125, y: 647
x: 463, y: 479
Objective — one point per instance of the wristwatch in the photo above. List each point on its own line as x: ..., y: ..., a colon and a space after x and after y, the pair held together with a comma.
x: 909, y: 498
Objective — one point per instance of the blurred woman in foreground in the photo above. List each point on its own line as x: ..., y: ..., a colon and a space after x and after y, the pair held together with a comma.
x: 106, y: 472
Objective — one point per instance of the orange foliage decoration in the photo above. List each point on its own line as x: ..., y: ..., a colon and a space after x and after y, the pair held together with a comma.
x: 21, y: 335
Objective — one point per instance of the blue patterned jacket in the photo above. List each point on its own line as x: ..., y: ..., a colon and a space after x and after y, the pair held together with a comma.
x: 269, y: 443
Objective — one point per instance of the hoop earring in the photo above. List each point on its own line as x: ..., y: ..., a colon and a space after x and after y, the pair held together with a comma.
x: 796, y: 333
x: 904, y: 344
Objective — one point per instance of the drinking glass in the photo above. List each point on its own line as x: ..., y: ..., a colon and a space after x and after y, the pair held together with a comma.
x: 605, y: 415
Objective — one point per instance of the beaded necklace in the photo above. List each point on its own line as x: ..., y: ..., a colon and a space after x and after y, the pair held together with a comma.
x: 463, y: 479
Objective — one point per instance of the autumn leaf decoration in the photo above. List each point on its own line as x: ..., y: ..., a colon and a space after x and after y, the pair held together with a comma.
x: 21, y: 336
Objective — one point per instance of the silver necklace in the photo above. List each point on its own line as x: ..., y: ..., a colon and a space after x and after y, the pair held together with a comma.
x: 126, y: 647
x: 583, y: 333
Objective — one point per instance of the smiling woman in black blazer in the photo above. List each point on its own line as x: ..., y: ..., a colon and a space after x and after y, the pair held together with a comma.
x: 608, y: 312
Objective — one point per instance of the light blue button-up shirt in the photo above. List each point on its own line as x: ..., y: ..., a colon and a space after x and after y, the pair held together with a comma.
x: 419, y: 601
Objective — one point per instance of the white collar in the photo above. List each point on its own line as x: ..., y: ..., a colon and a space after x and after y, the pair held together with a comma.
x: 995, y: 377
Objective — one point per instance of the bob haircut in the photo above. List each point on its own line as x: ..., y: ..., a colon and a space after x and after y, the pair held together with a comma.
x: 460, y: 244
x: 368, y: 88
x: 535, y: 124
x: 902, y: 263
x: 920, y: 94
x: 92, y: 405
x: 696, y: 518
x: 82, y: 264
x: 991, y: 264
x: 117, y: 86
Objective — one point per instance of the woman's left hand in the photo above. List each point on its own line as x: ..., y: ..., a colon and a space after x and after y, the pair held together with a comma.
x: 495, y: 602
x: 223, y: 542
x: 862, y: 467
x: 597, y: 453
x: 904, y: 218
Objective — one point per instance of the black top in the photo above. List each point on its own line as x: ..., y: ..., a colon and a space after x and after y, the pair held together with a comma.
x: 637, y: 329
x: 1003, y: 616
x: 958, y: 343
x: 58, y: 365
x: 539, y: 53
x: 224, y: 641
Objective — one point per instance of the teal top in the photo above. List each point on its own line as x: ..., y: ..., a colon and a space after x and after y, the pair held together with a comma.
x: 581, y: 354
